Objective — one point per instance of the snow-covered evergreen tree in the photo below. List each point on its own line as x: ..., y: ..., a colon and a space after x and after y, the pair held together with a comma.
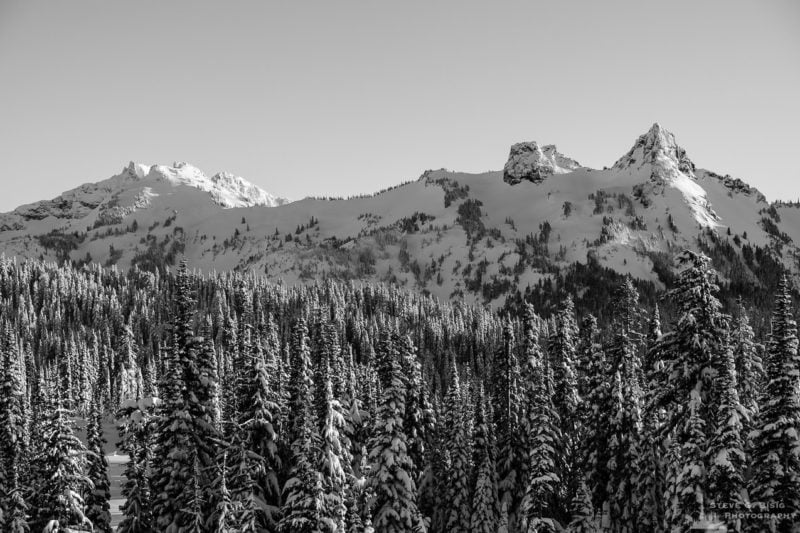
x: 749, y: 367
x: 303, y: 493
x: 685, y: 392
x: 458, y: 439
x: 98, y: 510
x: 333, y: 459
x: 134, y: 421
x: 394, y: 505
x: 542, y: 427
x: 507, y: 407
x: 726, y: 454
x: 485, y: 512
x: 59, y: 503
x: 13, y: 508
x: 775, y: 485
x: 583, y: 520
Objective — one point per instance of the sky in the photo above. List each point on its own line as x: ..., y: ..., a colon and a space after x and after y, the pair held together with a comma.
x: 347, y: 97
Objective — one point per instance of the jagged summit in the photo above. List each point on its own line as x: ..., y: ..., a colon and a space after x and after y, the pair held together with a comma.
x: 227, y: 189
x: 529, y: 161
x: 657, y: 153
x: 657, y: 147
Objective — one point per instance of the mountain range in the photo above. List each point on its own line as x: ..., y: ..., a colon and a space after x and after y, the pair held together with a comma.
x: 478, y: 237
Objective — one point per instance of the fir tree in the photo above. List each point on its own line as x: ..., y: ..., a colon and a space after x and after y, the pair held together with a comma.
x: 507, y: 408
x: 60, y: 506
x: 303, y: 494
x: 332, y: 462
x: 582, y: 511
x: 460, y: 469
x: 541, y: 426
x: 726, y: 450
x: 256, y: 425
x: 133, y: 425
x: 484, y: 500
x: 98, y: 510
x: 749, y: 367
x: 775, y: 486
x: 394, y: 505
x: 13, y: 508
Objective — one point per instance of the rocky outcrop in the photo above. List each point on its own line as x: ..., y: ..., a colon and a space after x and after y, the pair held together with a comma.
x: 531, y: 162
x: 657, y: 147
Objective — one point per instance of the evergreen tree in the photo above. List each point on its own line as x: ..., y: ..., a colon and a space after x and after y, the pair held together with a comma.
x: 541, y: 426
x: 394, y: 505
x: 258, y: 436
x: 186, y: 439
x: 60, y: 506
x: 507, y: 408
x: 13, y: 508
x: 98, y: 510
x: 685, y: 393
x: 133, y: 425
x: 726, y: 449
x: 332, y: 464
x: 562, y: 353
x: 303, y: 494
x: 775, y: 486
x: 749, y: 367
x: 485, y: 513
x: 460, y: 469
x: 582, y: 512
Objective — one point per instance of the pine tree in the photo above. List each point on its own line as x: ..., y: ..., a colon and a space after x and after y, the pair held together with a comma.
x: 596, y: 405
x: 685, y: 392
x: 562, y: 353
x: 98, y: 510
x: 257, y: 432
x: 186, y: 438
x: 332, y: 464
x: 224, y: 517
x: 303, y: 493
x: 689, y: 493
x: 13, y: 508
x: 245, y: 512
x: 775, y: 486
x: 460, y: 469
x: 507, y: 401
x: 726, y: 449
x: 60, y: 506
x: 134, y: 420
x: 394, y: 505
x: 541, y: 426
x: 582, y: 511
x: 749, y: 367
x: 485, y: 513
x: 623, y: 452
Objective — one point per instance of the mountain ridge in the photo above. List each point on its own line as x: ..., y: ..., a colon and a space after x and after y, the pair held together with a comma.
x: 479, y: 237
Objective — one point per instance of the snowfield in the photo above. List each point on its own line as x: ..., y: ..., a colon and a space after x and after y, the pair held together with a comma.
x: 455, y: 235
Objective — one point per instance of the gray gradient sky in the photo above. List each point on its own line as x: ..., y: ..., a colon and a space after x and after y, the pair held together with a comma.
x: 345, y: 97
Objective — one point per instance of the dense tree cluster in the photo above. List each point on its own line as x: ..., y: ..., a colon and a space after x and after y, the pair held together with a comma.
x: 245, y: 406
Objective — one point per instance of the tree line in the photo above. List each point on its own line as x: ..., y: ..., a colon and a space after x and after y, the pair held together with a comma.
x: 247, y: 406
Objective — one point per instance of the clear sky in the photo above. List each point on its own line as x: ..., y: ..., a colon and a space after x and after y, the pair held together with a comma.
x: 344, y: 97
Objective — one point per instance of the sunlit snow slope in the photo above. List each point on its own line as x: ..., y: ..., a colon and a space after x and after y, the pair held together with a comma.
x: 472, y: 236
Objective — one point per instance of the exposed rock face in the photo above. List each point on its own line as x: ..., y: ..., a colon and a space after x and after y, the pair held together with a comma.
x: 529, y: 161
x: 657, y: 147
x: 669, y: 166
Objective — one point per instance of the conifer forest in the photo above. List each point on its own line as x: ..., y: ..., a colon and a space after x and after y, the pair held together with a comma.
x: 239, y: 405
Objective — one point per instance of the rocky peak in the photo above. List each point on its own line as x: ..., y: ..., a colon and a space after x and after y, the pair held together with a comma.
x: 657, y: 147
x: 227, y: 190
x: 529, y: 161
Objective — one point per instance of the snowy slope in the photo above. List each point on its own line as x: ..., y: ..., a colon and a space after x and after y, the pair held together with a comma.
x: 476, y: 236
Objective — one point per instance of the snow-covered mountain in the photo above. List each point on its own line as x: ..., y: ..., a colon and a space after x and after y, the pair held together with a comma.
x: 476, y: 236
x: 134, y: 188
